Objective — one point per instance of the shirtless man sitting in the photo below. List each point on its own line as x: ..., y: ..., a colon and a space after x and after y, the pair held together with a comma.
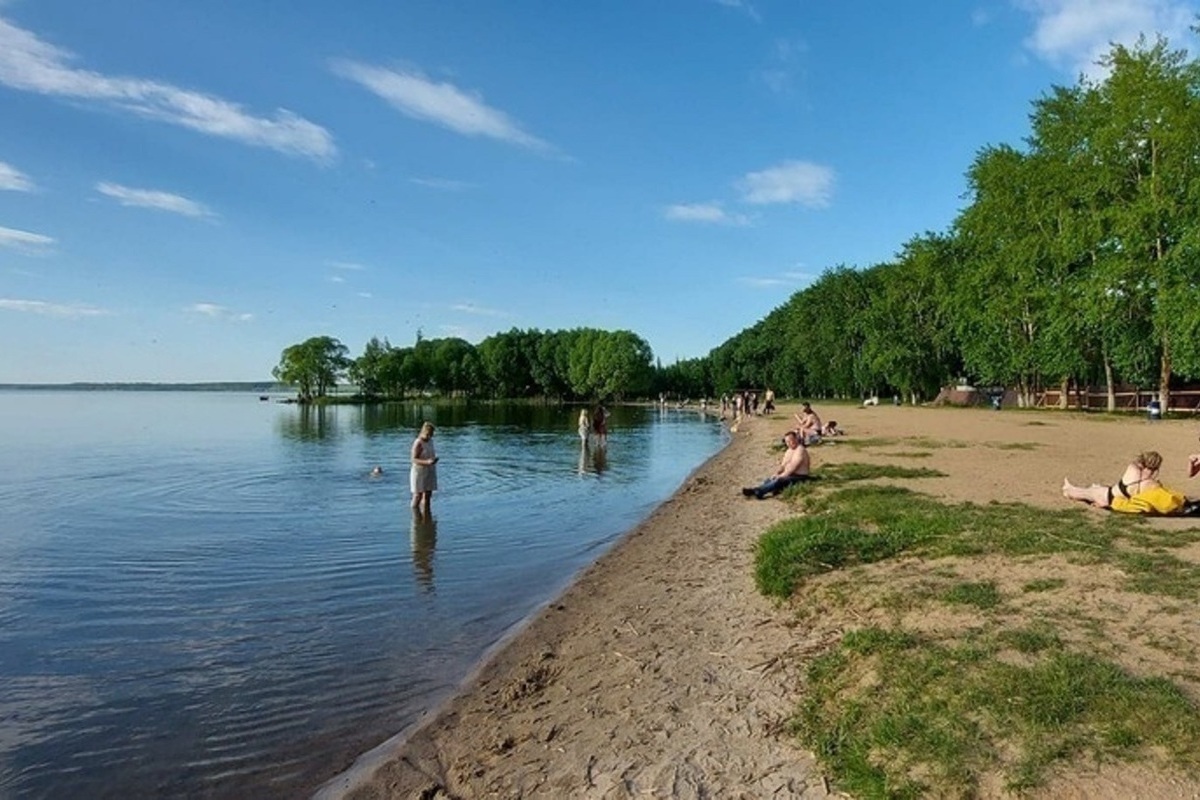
x: 808, y: 424
x: 793, y: 468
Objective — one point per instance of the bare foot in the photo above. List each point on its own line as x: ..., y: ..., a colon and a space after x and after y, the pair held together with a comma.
x: 1066, y: 488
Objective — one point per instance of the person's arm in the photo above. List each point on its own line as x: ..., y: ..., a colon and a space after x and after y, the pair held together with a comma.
x: 1193, y: 464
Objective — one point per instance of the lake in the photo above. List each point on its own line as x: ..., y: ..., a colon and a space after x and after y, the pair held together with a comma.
x: 207, y: 595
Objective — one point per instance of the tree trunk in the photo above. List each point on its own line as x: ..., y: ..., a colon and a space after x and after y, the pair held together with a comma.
x: 1164, y: 380
x: 1108, y: 382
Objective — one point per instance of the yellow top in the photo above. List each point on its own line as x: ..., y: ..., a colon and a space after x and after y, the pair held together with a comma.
x: 1152, y: 501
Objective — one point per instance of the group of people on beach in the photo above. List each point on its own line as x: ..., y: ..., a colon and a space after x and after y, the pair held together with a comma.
x: 1138, y: 490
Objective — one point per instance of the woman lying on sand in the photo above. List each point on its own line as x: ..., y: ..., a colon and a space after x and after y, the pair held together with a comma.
x: 1137, y: 492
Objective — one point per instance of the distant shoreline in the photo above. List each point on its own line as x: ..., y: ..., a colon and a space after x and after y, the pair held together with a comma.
x: 135, y: 386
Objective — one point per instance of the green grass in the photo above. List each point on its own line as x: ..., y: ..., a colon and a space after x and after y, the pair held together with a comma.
x: 864, y: 524
x: 982, y: 595
x: 893, y: 714
x: 896, y: 713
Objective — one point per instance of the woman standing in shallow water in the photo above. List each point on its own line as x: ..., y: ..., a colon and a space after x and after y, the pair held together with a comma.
x: 423, y: 476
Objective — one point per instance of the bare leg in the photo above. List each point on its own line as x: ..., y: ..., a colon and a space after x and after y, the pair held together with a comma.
x: 416, y: 501
x: 1095, y: 494
x: 426, y: 499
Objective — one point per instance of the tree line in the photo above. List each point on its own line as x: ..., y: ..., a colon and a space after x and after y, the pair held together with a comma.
x: 1076, y: 260
x: 582, y: 363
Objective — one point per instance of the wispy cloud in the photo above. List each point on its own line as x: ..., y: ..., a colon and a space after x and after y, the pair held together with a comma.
x: 418, y: 97
x: 799, y: 182
x: 29, y: 64
x: 24, y: 240
x: 68, y: 311
x: 782, y: 279
x: 214, y: 311
x: 1073, y: 34
x: 349, y: 266
x: 469, y: 307
x: 706, y: 213
x: 366, y: 295
x: 784, y: 64
x: 745, y: 6
x: 336, y: 279
x: 444, y: 184
x: 13, y: 180
x: 152, y: 198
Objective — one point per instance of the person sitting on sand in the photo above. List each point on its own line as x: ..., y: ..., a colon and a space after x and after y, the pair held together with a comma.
x: 1137, y: 492
x: 808, y: 424
x: 831, y: 429
x: 793, y: 468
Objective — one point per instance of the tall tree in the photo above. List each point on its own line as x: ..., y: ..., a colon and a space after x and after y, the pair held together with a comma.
x: 313, y: 366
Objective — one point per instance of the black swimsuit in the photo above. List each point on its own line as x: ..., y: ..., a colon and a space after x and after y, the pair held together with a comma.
x: 1123, y: 488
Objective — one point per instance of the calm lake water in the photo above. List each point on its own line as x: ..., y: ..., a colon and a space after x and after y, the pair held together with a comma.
x: 205, y: 595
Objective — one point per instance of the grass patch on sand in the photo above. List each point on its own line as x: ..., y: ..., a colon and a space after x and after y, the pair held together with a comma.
x: 866, y: 524
x: 956, y: 677
x: 900, y: 715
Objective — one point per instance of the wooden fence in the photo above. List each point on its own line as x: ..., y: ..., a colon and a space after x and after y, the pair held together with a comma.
x: 1183, y: 401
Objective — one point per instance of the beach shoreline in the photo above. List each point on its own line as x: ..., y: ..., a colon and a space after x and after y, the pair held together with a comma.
x: 662, y: 671
x: 658, y: 623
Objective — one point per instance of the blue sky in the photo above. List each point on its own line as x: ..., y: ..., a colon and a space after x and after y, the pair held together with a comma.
x: 187, y: 188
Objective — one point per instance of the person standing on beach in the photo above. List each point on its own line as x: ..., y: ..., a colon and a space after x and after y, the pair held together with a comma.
x: 422, y: 477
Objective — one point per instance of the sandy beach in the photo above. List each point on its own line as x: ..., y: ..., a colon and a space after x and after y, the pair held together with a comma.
x: 663, y: 672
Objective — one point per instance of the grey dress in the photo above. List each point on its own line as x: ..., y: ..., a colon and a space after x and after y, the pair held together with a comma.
x: 423, y: 478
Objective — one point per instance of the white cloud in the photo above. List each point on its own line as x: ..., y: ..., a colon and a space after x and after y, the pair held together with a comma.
x: 784, y: 65
x: 13, y: 180
x: 469, y: 307
x: 23, y: 240
x: 367, y: 295
x: 29, y: 64
x: 782, y: 279
x: 72, y: 311
x: 1074, y: 34
x: 416, y: 96
x: 336, y: 279
x: 741, y: 5
x: 347, y: 265
x: 444, y: 184
x: 151, y: 198
x: 214, y: 311
x: 800, y: 182
x: 709, y: 213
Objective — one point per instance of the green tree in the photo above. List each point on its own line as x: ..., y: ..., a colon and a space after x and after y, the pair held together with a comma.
x: 313, y: 366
